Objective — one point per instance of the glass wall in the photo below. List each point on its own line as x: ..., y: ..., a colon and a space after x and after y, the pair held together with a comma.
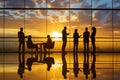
x: 40, y: 18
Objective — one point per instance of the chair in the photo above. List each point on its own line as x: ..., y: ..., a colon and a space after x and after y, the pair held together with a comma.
x: 30, y: 47
x: 51, y: 46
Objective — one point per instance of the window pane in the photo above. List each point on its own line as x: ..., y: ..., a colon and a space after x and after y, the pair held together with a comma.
x: 116, y: 4
x: 116, y: 24
x: 102, y: 4
x: 14, y: 3
x: 35, y: 3
x: 102, y: 20
x: 79, y: 19
x: 80, y: 3
x: 14, y: 19
x: 1, y: 3
x: 56, y: 20
x: 35, y: 23
x: 58, y: 4
x: 1, y: 31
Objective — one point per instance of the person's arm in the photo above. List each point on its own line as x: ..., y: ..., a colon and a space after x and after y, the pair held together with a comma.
x: 67, y: 33
x: 79, y: 35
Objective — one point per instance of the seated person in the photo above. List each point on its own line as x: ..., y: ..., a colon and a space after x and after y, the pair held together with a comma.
x: 48, y: 44
x: 30, y: 43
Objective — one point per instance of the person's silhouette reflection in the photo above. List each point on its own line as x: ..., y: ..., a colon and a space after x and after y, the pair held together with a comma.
x: 30, y: 62
x: 93, y: 38
x: 86, y: 70
x: 76, y: 64
x: 64, y: 67
x: 86, y: 35
x: 93, y: 65
x: 49, y: 61
x: 21, y: 66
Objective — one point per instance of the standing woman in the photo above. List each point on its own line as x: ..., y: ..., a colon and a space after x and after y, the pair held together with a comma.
x: 76, y: 36
x: 93, y: 38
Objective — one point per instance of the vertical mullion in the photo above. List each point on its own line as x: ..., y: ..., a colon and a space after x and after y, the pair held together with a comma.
x: 112, y: 44
x: 4, y: 42
x: 46, y: 32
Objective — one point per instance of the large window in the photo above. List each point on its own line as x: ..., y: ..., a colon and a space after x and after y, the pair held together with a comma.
x: 40, y: 18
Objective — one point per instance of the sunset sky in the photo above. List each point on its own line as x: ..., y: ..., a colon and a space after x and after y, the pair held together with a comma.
x: 39, y: 23
x: 42, y: 17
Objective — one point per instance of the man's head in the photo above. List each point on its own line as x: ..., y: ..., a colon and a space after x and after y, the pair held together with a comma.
x: 76, y: 30
x: 86, y: 29
x: 21, y: 29
x: 65, y: 28
x: 93, y: 28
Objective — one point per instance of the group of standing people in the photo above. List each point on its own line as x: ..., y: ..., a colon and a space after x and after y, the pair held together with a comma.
x: 76, y: 36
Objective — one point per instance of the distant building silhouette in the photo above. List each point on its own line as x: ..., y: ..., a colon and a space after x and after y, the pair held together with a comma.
x: 86, y: 36
x: 93, y: 38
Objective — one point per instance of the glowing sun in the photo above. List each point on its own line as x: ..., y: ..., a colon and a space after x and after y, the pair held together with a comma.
x: 56, y: 35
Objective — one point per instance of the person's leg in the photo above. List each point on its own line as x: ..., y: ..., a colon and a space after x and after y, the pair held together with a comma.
x: 63, y: 46
x: 19, y: 46
x: 23, y: 46
x: 84, y: 46
x: 88, y: 46
x: 94, y: 46
x: 76, y: 47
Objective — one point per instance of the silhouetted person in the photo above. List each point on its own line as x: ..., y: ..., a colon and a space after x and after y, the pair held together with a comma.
x: 93, y: 66
x: 31, y: 45
x: 86, y: 36
x: 21, y: 37
x: 64, y: 67
x: 30, y: 62
x: 47, y: 44
x: 76, y: 65
x: 86, y: 70
x: 49, y: 61
x: 93, y: 38
x: 76, y: 36
x: 21, y: 66
x: 64, y: 38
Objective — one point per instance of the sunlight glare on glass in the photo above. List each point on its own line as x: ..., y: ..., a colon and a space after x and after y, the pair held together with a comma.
x: 56, y: 35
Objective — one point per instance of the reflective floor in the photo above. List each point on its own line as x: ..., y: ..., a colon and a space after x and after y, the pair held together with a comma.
x: 58, y: 66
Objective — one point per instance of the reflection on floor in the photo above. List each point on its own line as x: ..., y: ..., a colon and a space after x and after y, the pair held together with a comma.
x: 58, y: 66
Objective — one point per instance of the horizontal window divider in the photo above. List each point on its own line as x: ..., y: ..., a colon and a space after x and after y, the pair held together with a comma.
x: 60, y: 8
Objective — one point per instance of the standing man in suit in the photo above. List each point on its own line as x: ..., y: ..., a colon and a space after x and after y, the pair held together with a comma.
x: 21, y: 37
x: 86, y: 36
x: 64, y: 38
